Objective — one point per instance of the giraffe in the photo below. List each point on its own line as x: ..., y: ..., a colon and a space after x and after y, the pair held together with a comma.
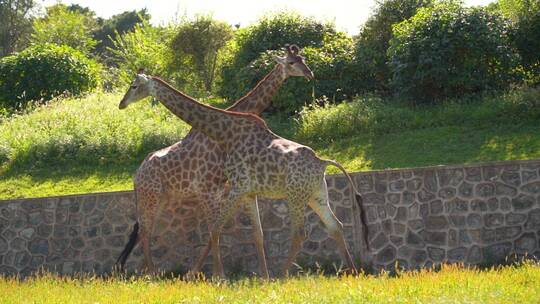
x: 193, y: 168
x: 257, y: 163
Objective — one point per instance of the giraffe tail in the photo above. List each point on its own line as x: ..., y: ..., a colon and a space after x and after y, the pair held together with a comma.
x: 358, y: 198
x: 133, y: 238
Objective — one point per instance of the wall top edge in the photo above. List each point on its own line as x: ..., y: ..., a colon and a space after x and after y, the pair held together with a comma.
x: 425, y: 168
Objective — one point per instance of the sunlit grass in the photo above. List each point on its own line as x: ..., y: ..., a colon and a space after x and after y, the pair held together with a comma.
x: 453, y: 284
x: 87, y: 145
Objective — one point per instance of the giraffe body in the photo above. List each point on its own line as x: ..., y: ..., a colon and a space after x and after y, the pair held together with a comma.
x: 257, y: 163
x: 193, y: 168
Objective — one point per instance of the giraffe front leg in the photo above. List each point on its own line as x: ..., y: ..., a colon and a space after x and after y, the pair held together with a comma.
x: 319, y: 204
x: 228, y: 208
x: 253, y: 209
x: 298, y: 235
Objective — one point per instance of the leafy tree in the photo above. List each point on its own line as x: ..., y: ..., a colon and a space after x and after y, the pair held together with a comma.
x: 144, y: 47
x: 271, y: 32
x: 15, y: 24
x: 525, y: 15
x: 201, y: 40
x: 372, y: 72
x: 448, y: 51
x: 65, y: 27
x: 120, y: 23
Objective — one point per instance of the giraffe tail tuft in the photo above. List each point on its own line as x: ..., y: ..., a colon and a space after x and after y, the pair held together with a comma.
x: 133, y: 238
x: 358, y: 198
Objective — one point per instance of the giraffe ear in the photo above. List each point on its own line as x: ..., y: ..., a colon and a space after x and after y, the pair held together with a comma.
x: 280, y: 60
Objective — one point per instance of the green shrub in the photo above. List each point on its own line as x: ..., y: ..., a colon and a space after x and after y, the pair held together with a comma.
x: 42, y: 72
x: 450, y: 51
x: 371, y: 115
x: 370, y: 64
x: 272, y: 32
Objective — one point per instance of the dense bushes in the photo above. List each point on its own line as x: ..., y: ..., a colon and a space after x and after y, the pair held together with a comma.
x: 449, y: 51
x: 270, y: 33
x: 328, y: 53
x: 42, y: 72
x: 371, y: 71
x: 372, y: 115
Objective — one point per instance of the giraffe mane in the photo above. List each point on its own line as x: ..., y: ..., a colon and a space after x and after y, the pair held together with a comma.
x: 253, y: 117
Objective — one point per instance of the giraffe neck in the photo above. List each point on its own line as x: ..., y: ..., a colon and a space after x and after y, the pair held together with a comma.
x: 260, y: 97
x: 213, y: 122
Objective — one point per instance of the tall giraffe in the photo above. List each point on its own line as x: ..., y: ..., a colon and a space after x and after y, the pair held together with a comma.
x: 258, y: 163
x: 193, y: 168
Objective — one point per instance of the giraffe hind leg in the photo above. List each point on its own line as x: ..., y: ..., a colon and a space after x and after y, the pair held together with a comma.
x: 319, y: 204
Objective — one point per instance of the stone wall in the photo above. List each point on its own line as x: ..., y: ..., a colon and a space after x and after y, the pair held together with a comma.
x: 477, y: 214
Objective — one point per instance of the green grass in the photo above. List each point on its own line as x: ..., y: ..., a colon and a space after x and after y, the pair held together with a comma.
x: 80, y: 145
x: 510, y: 284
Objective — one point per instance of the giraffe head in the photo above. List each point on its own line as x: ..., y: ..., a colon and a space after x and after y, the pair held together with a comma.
x: 139, y: 89
x: 293, y: 64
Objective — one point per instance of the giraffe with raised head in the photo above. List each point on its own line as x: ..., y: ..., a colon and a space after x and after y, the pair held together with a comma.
x: 193, y: 168
x: 257, y: 163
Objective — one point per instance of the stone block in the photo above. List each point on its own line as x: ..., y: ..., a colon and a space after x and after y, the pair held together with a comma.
x: 437, y: 238
x: 436, y: 223
x: 527, y: 243
x: 430, y: 181
x: 414, y: 240
x: 386, y: 255
x: 511, y: 177
x: 494, y: 219
x: 503, y: 189
x: 447, y: 193
x: 473, y: 174
x: 485, y: 189
x: 456, y: 206
x: 436, y: 254
x: 497, y: 253
x: 523, y: 202
x: 457, y: 255
x: 465, y: 190
x: 396, y: 186
x: 39, y: 246
x: 533, y: 221
x: 425, y: 196
x: 515, y: 218
x: 531, y: 188
x: 527, y: 176
x: 414, y: 184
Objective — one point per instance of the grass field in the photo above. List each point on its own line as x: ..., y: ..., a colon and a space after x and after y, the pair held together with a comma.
x: 80, y: 145
x: 510, y: 284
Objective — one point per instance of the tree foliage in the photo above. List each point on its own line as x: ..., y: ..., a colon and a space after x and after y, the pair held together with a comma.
x: 42, y: 72
x: 65, y: 27
x: 15, y: 24
x: 201, y: 40
x: 448, y: 51
x: 143, y: 47
x: 271, y: 32
x: 372, y: 72
x: 120, y: 23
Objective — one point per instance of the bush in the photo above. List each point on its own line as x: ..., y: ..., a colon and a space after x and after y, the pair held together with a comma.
x: 64, y: 27
x: 329, y: 63
x: 372, y: 115
x: 450, y: 51
x: 272, y: 32
x: 371, y: 69
x: 42, y: 72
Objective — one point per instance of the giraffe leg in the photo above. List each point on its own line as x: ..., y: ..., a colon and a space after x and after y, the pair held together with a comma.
x: 147, y: 210
x: 319, y: 204
x: 253, y: 209
x: 197, y: 267
x: 228, y: 207
x: 296, y: 210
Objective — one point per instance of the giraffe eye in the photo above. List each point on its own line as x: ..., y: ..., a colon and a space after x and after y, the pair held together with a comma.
x: 133, y: 87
